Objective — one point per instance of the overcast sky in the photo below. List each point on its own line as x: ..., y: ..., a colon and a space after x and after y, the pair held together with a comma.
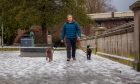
x: 122, y: 5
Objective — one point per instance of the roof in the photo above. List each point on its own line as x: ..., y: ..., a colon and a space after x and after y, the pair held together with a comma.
x: 111, y: 15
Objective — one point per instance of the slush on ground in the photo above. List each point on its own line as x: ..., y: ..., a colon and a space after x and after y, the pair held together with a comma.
x: 36, y: 70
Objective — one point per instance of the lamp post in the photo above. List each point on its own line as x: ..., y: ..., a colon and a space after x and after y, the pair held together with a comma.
x: 2, y: 35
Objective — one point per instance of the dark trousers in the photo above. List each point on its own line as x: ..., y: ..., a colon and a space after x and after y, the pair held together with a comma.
x: 71, y: 47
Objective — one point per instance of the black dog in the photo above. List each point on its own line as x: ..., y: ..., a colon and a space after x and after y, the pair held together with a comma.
x: 89, y: 51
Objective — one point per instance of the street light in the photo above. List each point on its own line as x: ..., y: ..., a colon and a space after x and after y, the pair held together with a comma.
x: 2, y: 35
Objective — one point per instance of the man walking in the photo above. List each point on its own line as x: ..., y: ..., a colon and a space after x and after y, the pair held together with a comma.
x: 71, y: 32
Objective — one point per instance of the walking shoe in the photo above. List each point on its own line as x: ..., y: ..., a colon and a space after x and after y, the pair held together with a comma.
x: 74, y: 58
x: 68, y: 59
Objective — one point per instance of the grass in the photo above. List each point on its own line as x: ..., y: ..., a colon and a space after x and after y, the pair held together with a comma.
x: 9, y: 49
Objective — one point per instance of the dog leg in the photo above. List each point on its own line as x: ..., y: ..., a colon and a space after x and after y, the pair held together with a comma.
x: 46, y: 58
x: 50, y: 60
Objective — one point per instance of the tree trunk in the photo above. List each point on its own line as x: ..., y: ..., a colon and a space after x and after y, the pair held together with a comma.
x: 44, y: 33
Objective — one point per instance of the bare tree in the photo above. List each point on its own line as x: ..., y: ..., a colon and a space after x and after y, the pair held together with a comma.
x: 98, y: 6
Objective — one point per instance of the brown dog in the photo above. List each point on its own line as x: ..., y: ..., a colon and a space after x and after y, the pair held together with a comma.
x: 49, y: 54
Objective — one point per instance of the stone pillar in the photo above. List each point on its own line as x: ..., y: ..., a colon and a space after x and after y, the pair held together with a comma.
x: 136, y: 8
x: 49, y: 39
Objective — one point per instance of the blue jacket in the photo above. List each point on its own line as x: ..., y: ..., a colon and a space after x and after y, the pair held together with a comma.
x: 70, y: 30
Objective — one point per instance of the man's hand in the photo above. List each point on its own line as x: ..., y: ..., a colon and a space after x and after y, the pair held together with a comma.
x: 62, y: 41
x: 78, y: 40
